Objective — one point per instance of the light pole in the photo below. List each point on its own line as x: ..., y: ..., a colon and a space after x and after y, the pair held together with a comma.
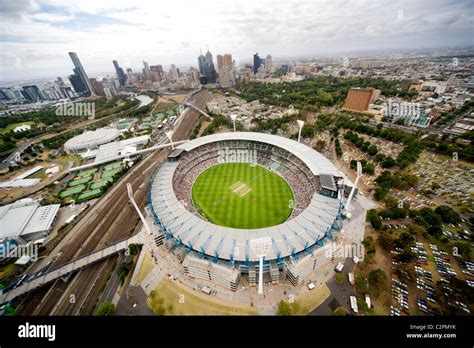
x: 260, y: 247
x: 300, y: 124
x: 170, y: 135
x: 130, y: 196
x: 359, y: 174
x: 233, y: 117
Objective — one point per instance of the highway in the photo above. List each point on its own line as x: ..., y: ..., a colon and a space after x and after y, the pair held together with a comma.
x: 111, y: 219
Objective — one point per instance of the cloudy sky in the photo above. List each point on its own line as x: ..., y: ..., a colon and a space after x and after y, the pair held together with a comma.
x: 36, y: 35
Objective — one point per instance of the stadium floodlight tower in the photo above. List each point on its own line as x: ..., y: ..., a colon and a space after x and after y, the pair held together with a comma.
x: 233, y: 118
x: 359, y: 174
x: 260, y: 247
x: 130, y: 196
x: 300, y: 125
x: 170, y: 136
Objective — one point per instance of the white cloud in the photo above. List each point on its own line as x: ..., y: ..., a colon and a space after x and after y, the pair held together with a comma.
x: 174, y: 31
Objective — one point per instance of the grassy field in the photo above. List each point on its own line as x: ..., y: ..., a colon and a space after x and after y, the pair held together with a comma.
x: 240, y: 195
x: 176, y: 299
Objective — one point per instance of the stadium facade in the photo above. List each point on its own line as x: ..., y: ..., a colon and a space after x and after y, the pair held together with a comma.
x: 221, y: 254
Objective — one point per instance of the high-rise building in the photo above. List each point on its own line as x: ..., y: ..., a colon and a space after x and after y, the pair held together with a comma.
x: 81, y: 73
x: 206, y: 67
x: 122, y: 78
x: 228, y: 60
x: 268, y: 64
x: 359, y: 99
x: 220, y: 63
x: 174, y: 71
x: 211, y: 71
x: 158, y: 69
x: 77, y: 84
x: 98, y: 87
x: 257, y: 62
x: 32, y: 93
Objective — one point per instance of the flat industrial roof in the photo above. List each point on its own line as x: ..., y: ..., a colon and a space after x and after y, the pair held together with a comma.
x: 24, y: 217
x: 288, y: 238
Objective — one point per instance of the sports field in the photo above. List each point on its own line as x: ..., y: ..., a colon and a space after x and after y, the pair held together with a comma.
x: 240, y: 195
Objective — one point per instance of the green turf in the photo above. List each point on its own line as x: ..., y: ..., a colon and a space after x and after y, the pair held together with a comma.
x: 267, y: 204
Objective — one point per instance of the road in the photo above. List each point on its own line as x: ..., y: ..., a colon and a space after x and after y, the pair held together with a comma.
x: 111, y: 219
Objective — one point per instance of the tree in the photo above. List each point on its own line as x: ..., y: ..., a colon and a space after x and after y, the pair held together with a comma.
x: 283, y: 308
x: 133, y: 249
x: 430, y: 217
x: 105, y: 309
x: 377, y: 277
x: 386, y: 241
x: 376, y: 221
x: 447, y: 214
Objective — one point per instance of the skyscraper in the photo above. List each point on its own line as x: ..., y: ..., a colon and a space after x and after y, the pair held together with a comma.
x: 211, y: 71
x: 146, y: 71
x: 268, y: 64
x: 206, y: 67
x: 122, y: 78
x: 174, y: 71
x: 257, y: 61
x: 81, y: 73
x: 32, y: 93
x: 228, y: 60
x: 220, y: 63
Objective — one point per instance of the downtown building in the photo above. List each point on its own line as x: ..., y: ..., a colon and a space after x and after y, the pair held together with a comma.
x: 122, y: 78
x: 206, y: 68
x: 79, y: 80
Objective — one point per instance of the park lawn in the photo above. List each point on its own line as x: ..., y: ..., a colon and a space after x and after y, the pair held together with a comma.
x: 241, y: 195
x: 194, y: 302
x: 40, y: 174
x: 310, y: 300
x: 13, y: 126
x: 146, y: 266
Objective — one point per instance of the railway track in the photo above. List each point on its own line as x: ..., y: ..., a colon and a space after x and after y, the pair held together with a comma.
x: 111, y: 219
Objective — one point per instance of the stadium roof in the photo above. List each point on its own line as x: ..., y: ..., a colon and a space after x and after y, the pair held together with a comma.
x: 91, y: 139
x: 316, y: 162
x: 288, y: 238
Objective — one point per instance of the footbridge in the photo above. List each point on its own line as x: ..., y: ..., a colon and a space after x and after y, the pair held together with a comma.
x: 71, y: 266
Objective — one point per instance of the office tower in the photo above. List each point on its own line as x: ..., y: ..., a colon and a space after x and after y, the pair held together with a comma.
x: 228, y: 60
x: 81, y: 73
x: 122, y: 78
x: 77, y: 84
x: 285, y: 68
x: 206, y: 67
x: 174, y: 71
x: 268, y: 64
x: 257, y: 61
x: 146, y: 71
x: 220, y: 63
x: 211, y: 71
x: 60, y: 82
x: 98, y: 87
x: 158, y: 69
x: 32, y: 93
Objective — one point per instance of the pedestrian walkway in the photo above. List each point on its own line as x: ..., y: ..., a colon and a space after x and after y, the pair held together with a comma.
x: 71, y: 266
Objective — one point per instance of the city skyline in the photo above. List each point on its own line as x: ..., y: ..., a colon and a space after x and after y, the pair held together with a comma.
x: 37, y: 36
